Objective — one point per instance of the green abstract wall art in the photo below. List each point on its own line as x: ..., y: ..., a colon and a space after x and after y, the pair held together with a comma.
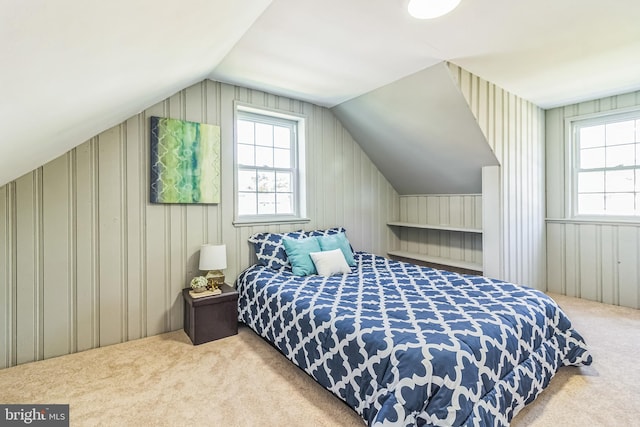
x: 185, y: 161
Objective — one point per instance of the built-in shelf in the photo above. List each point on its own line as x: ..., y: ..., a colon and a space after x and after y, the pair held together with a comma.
x: 437, y: 260
x: 435, y: 227
x: 433, y: 259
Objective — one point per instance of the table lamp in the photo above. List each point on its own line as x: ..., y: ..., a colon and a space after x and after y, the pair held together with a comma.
x: 213, y: 258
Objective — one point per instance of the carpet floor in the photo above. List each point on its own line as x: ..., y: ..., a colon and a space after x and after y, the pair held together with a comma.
x: 242, y: 381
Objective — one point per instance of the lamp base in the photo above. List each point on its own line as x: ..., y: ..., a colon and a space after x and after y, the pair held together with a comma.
x: 215, y: 278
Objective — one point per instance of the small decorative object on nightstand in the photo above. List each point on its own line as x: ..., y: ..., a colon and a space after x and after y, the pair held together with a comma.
x: 214, y: 259
x: 211, y: 317
x: 200, y: 288
x: 199, y: 284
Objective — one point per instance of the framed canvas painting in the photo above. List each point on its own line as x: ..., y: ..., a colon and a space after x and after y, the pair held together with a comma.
x: 185, y: 161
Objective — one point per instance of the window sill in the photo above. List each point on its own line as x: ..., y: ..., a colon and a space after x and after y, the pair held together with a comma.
x: 594, y: 221
x: 269, y: 221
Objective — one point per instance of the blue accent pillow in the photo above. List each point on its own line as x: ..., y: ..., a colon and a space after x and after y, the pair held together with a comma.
x: 270, y: 249
x: 298, y: 253
x: 337, y: 241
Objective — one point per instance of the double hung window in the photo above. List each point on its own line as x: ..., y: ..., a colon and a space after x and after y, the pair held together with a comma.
x: 606, y: 172
x: 269, y: 177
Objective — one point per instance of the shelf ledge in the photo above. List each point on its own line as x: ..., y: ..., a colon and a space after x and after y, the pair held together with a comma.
x: 437, y: 260
x: 435, y: 227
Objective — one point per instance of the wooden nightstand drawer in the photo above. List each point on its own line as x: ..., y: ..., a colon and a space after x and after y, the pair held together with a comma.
x: 211, y: 318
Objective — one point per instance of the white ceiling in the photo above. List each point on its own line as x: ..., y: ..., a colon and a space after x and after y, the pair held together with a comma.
x: 550, y: 52
x: 72, y: 68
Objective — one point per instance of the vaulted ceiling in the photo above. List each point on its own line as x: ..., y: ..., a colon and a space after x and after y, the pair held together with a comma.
x: 73, y: 68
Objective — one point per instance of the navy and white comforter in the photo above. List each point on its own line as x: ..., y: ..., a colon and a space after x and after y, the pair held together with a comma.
x: 409, y: 345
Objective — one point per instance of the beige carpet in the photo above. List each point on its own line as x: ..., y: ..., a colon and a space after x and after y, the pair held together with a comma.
x: 242, y: 381
x: 607, y: 393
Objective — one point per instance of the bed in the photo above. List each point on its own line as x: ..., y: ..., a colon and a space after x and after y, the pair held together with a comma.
x: 409, y: 345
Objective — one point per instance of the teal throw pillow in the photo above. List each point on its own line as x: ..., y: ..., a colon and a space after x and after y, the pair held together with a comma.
x: 338, y: 241
x: 298, y: 253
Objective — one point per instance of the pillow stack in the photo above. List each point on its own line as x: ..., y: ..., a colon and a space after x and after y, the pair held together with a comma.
x: 325, y: 252
x: 324, y: 255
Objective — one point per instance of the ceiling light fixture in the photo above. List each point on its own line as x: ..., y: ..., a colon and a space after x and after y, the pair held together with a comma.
x: 429, y: 9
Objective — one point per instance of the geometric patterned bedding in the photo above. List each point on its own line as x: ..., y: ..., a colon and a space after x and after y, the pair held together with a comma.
x: 408, y: 345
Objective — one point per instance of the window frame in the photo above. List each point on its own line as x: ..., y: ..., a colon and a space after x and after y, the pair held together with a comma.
x: 298, y: 169
x: 572, y: 127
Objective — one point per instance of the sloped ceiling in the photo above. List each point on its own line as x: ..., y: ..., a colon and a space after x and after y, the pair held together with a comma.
x: 420, y: 133
x: 73, y: 68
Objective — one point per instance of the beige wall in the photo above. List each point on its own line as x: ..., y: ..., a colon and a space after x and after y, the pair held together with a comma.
x: 514, y: 128
x: 87, y: 261
x: 587, y: 259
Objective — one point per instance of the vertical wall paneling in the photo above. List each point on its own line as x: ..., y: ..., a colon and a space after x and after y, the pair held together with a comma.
x: 491, y: 221
x: 86, y: 255
x: 134, y: 197
x: 177, y: 232
x: 6, y: 323
x: 511, y: 178
x: 514, y: 128
x: 341, y: 169
x: 628, y: 266
x: 349, y: 193
x: 195, y: 216
x: 27, y: 269
x: 555, y: 259
x: 571, y: 273
x: 357, y: 201
x: 555, y: 160
x: 589, y: 270
x: 329, y: 205
x: 87, y: 261
x: 608, y: 263
x: 214, y: 217
x: 156, y: 240
x: 593, y: 260
x: 58, y: 268
x: 111, y: 277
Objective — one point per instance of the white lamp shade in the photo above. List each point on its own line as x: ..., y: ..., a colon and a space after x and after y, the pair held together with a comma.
x: 213, y: 257
x: 429, y: 9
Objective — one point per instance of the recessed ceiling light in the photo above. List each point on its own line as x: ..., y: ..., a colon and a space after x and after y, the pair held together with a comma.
x: 429, y: 9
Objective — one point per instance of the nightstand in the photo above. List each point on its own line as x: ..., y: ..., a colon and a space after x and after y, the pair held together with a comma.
x: 211, y: 318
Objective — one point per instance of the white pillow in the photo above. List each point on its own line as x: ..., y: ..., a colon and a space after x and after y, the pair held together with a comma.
x: 330, y: 262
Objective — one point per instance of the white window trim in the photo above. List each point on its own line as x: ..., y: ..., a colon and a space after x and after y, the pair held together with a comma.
x: 571, y: 172
x: 301, y: 159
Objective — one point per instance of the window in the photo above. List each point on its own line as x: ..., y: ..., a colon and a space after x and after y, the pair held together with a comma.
x: 606, y: 175
x: 269, y: 177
